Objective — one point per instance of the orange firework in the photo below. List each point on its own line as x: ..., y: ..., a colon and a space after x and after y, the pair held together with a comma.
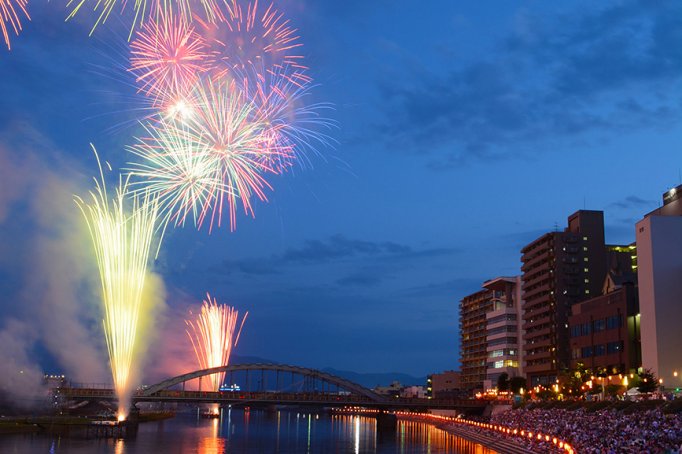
x: 213, y: 335
x: 9, y: 14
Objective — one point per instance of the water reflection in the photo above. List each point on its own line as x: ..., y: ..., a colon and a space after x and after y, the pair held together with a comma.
x: 238, y: 431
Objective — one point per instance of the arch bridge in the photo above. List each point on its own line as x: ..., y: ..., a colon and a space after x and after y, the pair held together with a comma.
x: 271, y: 384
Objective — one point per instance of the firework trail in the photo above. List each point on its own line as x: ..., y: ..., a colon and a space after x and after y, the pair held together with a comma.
x: 182, y: 173
x: 291, y: 124
x: 255, y: 37
x: 146, y: 11
x: 226, y: 122
x: 9, y: 15
x: 122, y: 230
x: 213, y: 335
x: 167, y: 58
x: 215, y: 158
x: 231, y: 100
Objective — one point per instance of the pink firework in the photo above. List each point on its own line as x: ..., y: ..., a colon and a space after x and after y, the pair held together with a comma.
x: 9, y: 15
x: 213, y: 335
x: 227, y: 123
x: 291, y: 123
x: 167, y: 58
x: 252, y: 36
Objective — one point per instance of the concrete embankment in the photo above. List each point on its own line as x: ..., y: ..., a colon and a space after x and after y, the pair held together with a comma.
x: 489, y: 440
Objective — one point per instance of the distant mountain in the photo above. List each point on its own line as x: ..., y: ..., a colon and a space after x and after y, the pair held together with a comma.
x: 368, y: 380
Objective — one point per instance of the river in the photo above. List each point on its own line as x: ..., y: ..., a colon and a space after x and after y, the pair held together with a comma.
x: 243, y: 431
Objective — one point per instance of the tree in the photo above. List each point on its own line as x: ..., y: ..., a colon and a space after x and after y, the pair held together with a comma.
x: 649, y: 382
x: 503, y: 382
x: 516, y: 383
x: 612, y: 389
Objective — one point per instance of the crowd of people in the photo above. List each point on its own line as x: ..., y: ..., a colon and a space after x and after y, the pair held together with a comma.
x: 603, y: 431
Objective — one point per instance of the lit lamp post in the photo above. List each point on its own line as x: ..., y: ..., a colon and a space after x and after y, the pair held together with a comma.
x: 625, y: 384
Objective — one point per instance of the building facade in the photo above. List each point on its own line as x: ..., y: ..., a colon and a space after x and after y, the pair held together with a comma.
x: 474, y: 349
x: 605, y: 330
x: 503, y: 330
x: 659, y: 265
x: 559, y: 270
x: 444, y: 384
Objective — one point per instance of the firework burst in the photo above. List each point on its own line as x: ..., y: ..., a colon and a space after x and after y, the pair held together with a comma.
x: 179, y: 170
x: 147, y: 11
x: 167, y: 58
x: 226, y: 123
x: 253, y: 36
x: 291, y: 124
x: 213, y: 335
x: 122, y: 231
x: 10, y: 12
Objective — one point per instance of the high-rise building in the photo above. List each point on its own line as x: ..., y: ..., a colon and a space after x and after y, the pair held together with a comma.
x: 659, y: 265
x: 490, y: 329
x: 559, y: 269
x: 473, y: 351
x: 503, y: 330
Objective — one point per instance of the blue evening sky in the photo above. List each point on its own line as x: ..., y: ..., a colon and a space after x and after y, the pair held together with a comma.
x: 465, y: 130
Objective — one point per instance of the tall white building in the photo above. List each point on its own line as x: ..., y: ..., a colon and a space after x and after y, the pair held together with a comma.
x: 503, y: 330
x: 659, y: 269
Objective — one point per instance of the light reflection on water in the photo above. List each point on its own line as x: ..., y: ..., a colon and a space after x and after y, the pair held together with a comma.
x: 238, y: 431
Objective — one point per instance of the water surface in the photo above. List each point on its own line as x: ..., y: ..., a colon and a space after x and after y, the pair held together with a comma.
x: 240, y: 431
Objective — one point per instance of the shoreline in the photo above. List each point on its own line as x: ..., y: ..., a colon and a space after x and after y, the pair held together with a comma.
x: 486, y: 440
x: 63, y: 424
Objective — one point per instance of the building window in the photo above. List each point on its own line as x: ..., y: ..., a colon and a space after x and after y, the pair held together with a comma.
x: 586, y: 352
x: 585, y: 329
x: 575, y: 331
x: 599, y: 350
x: 599, y: 325
x: 587, y: 270
x: 586, y: 259
x: 575, y: 353
x: 615, y: 321
x: 614, y: 347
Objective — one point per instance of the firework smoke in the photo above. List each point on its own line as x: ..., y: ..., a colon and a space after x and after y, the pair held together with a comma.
x: 122, y: 238
x: 213, y: 336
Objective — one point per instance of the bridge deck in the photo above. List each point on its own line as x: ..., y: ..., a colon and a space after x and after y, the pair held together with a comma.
x: 274, y: 398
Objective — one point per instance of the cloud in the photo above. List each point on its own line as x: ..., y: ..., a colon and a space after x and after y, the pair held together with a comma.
x: 632, y: 202
x: 335, y: 249
x: 554, y: 79
x: 339, y: 247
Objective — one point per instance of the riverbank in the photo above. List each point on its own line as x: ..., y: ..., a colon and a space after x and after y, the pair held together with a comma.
x: 64, y: 425
x: 488, y: 437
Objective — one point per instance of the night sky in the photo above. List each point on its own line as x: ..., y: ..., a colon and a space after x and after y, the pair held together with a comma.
x: 465, y: 130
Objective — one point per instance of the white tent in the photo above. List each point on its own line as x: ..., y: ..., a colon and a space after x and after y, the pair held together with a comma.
x: 633, y: 392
